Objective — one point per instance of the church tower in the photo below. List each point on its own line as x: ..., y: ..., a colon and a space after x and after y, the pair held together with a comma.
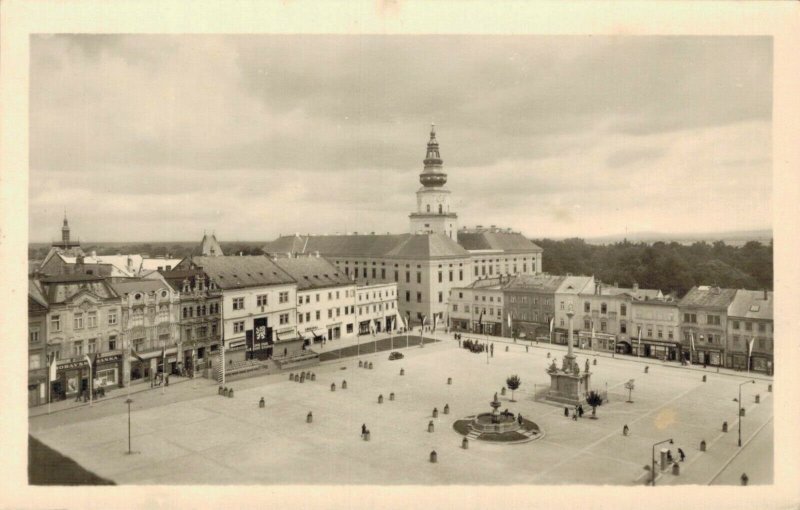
x: 433, y: 213
x: 65, y: 231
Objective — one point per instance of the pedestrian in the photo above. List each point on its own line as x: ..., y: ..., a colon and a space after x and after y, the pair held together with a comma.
x: 580, y: 410
x: 669, y: 456
x: 625, y: 430
x: 566, y: 411
x: 519, y: 418
x: 681, y: 454
x: 526, y: 348
x: 363, y: 429
x: 574, y: 417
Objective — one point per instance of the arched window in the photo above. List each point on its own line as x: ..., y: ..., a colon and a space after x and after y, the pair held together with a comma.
x: 440, y: 208
x: 603, y: 308
x: 428, y: 208
x: 623, y: 309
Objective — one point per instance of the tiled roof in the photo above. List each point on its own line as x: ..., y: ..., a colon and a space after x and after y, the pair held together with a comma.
x: 404, y: 246
x: 35, y: 294
x: 231, y: 272
x: 62, y: 288
x: 574, y: 284
x: 542, y: 283
x: 750, y: 304
x: 313, y: 272
x: 153, y: 264
x: 710, y: 297
x: 505, y: 241
x: 638, y: 294
x: 137, y: 285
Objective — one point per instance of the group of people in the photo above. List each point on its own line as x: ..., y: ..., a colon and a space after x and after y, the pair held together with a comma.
x: 576, y: 413
x: 477, y: 347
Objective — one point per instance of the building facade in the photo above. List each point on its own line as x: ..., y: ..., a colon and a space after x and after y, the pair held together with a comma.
x: 376, y: 308
x: 657, y: 323
x: 750, y: 339
x: 530, y: 301
x: 38, y: 377
x: 478, y: 307
x: 703, y: 314
x: 150, y: 318
x: 568, y: 297
x: 83, y: 318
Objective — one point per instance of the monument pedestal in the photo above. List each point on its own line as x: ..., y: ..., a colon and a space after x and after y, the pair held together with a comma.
x: 568, y: 385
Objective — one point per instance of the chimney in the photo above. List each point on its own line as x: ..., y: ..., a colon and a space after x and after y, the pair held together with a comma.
x: 94, y: 254
x: 635, y: 287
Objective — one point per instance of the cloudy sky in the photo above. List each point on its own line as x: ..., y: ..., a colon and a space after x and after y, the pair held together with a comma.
x: 161, y: 137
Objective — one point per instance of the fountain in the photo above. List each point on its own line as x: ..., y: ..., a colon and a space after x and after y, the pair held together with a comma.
x: 500, y: 427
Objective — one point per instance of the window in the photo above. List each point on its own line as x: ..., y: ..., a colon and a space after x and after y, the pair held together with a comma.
x: 92, y: 346
x: 317, y: 315
x: 308, y: 317
x: 34, y: 361
x: 441, y: 299
x: 408, y: 296
x: 690, y: 317
x: 283, y: 297
x: 660, y: 333
x: 623, y: 309
x: 395, y: 276
x: 713, y: 319
x: 238, y: 304
x: 649, y: 331
x: 383, y: 274
x: 586, y: 324
x: 586, y: 306
x: 419, y: 277
x: 408, y: 276
x: 603, y: 308
x: 748, y: 326
x: 300, y: 318
x: 761, y: 343
x: 330, y: 313
x: 440, y: 277
x: 670, y: 335
x: 77, y: 348
x: 419, y: 297
x: 762, y: 328
x: 33, y: 335
x: 91, y: 320
x: 603, y: 325
x: 561, y: 305
x: 450, y: 275
x: 561, y: 323
x: 262, y: 300
x: 455, y: 308
x: 238, y: 326
x: 710, y: 338
x: 78, y: 321
x: 338, y: 311
x: 112, y: 342
x: 460, y: 275
x: 308, y: 299
x: 623, y: 328
x: 365, y: 272
x: 283, y: 318
x: 735, y: 324
x: 317, y: 297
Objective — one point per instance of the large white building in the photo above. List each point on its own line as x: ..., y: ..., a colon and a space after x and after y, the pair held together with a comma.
x: 432, y: 259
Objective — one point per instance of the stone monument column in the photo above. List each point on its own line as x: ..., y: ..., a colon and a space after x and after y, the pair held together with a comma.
x: 569, y: 359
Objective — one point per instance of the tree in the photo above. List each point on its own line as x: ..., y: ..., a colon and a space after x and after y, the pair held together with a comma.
x: 629, y: 387
x: 594, y: 399
x: 513, y: 382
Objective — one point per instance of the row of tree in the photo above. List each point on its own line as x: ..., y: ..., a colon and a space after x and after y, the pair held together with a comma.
x: 671, y: 267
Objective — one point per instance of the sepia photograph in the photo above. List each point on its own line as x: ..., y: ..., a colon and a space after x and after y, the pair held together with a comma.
x: 402, y: 260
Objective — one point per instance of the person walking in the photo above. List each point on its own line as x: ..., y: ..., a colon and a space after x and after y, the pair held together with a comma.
x: 363, y: 429
x: 681, y: 454
x: 566, y: 412
x: 625, y: 431
x: 580, y: 410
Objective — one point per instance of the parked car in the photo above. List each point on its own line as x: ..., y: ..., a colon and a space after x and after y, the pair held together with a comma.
x: 395, y: 355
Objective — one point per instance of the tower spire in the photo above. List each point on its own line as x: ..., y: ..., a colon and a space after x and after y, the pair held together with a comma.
x: 433, y: 175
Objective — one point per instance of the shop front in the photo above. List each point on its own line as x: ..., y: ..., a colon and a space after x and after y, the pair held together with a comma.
x: 601, y: 342
x: 72, y: 375
x: 705, y: 356
x: 656, y: 350
x: 363, y: 327
x: 334, y: 331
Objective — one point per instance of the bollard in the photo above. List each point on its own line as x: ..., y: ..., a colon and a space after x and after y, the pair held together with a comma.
x: 402, y: 371
x: 391, y: 396
x: 449, y: 380
x: 435, y: 413
x: 769, y: 388
x: 344, y: 384
x: 230, y: 393
x: 447, y: 409
x: 663, y: 461
x: 503, y: 390
x: 291, y: 376
x: 704, y: 378
x: 703, y: 445
x: 309, y: 417
x: 370, y: 365
x: 360, y: 363
x: 380, y: 399
x: 506, y: 348
x: 758, y: 399
x: 465, y: 443
x: 548, y: 354
x: 594, y: 361
x: 676, y: 469
x: 646, y: 369
x: 430, y: 426
x: 225, y: 392
x: 741, y: 411
x: 433, y: 456
x: 313, y: 376
x: 333, y: 386
x: 744, y: 478
x: 262, y: 403
x: 303, y: 378
x: 724, y: 426
x: 219, y: 391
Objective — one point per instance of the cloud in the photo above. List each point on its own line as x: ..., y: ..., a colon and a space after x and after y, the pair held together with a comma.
x: 164, y: 136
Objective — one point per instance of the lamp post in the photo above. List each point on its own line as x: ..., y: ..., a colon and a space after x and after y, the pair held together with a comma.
x: 653, y: 461
x: 740, y: 408
x: 129, y: 402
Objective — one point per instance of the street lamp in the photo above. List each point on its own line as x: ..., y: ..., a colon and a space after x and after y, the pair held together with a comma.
x: 740, y: 408
x: 129, y: 402
x: 653, y: 461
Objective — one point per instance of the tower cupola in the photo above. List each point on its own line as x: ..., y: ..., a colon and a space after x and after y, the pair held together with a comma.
x: 432, y: 175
